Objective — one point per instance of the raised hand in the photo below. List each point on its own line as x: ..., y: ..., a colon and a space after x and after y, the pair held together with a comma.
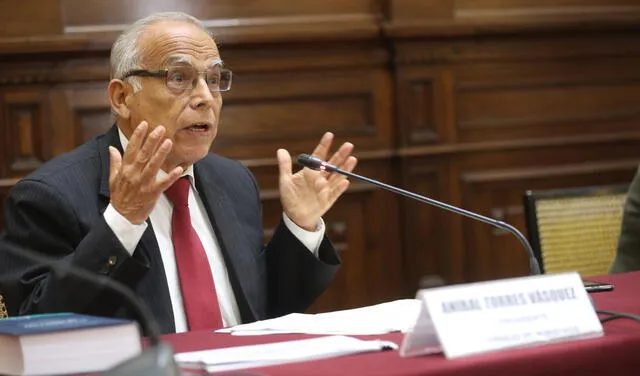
x: 133, y: 181
x: 308, y: 194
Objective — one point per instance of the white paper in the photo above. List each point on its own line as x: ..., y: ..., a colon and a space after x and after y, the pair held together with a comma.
x: 233, y: 358
x: 399, y: 315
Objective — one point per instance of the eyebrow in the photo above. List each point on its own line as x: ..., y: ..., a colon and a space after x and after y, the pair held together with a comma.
x: 185, y: 60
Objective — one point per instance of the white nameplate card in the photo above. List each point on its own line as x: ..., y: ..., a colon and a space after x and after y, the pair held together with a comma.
x: 487, y: 316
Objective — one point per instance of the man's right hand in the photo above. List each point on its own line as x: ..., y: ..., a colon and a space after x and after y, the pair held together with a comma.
x: 133, y: 181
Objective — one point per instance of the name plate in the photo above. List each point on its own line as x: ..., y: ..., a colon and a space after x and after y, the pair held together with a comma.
x: 481, y: 317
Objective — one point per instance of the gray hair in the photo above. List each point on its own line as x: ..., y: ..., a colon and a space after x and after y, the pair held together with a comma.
x: 125, y: 55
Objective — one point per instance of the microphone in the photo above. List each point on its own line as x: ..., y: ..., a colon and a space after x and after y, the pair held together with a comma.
x: 157, y: 359
x: 317, y: 164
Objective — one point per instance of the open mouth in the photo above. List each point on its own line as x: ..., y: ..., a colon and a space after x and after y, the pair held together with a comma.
x: 199, y: 127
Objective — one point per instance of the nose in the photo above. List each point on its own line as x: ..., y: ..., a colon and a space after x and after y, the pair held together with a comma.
x: 201, y: 97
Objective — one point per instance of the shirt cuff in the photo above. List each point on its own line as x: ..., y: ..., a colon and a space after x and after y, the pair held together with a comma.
x: 310, y: 239
x: 128, y: 233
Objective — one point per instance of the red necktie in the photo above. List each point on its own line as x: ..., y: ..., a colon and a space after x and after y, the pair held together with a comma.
x: 196, y: 282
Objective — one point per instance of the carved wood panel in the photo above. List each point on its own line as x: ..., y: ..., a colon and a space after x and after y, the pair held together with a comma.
x: 427, y: 251
x: 425, y: 105
x: 266, y: 110
x: 80, y: 112
x: 506, y: 101
x: 24, y: 135
x: 45, y: 17
x: 26, y: 130
x: 78, y: 12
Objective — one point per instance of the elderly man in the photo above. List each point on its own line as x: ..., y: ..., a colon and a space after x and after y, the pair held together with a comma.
x: 149, y: 206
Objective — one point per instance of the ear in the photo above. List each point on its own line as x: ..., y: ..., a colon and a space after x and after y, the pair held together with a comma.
x: 118, y: 92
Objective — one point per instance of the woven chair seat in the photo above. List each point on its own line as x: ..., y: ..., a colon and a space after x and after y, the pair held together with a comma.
x: 575, y: 229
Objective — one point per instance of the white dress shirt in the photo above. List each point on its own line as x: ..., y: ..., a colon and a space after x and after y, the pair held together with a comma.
x: 130, y: 234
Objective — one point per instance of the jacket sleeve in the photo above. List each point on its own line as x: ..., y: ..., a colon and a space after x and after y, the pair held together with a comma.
x: 295, y: 276
x: 42, y: 219
x: 628, y: 253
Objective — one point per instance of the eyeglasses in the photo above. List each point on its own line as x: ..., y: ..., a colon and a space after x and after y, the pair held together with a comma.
x: 186, y: 77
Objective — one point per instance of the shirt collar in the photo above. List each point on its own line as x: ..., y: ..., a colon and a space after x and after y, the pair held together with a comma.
x: 187, y: 172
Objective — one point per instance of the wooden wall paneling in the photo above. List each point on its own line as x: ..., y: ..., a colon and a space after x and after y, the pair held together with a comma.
x: 233, y: 21
x: 425, y: 105
x: 572, y: 152
x: 383, y: 249
x: 267, y: 109
x: 78, y: 12
x: 25, y: 130
x: 408, y: 10
x: 543, y: 4
x: 30, y: 18
x: 80, y: 111
x: 518, y: 104
x: 432, y: 245
x: 520, y: 11
x: 518, y: 48
x: 421, y: 19
x: 276, y: 101
x: 497, y: 188
x: 545, y: 96
x: 403, y: 11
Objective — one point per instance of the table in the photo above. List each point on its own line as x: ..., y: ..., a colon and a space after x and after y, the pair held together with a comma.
x: 616, y: 353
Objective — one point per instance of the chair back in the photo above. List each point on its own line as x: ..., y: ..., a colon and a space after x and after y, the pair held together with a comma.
x: 575, y: 229
x: 3, y: 308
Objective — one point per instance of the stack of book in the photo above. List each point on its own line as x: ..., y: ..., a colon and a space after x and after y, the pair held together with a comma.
x: 64, y: 343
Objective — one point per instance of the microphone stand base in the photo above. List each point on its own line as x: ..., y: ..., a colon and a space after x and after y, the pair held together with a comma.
x: 156, y: 360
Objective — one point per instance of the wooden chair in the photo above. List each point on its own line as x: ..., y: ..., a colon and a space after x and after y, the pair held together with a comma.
x: 575, y: 229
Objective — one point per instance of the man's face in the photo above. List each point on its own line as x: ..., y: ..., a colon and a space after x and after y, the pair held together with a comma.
x: 190, y: 116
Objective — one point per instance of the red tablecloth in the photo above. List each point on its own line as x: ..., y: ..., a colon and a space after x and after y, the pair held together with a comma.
x: 617, y: 353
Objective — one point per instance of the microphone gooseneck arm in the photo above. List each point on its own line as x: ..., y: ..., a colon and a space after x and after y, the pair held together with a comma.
x: 320, y: 165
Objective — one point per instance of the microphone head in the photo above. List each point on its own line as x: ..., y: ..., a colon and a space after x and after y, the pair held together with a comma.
x: 317, y: 164
x: 306, y: 160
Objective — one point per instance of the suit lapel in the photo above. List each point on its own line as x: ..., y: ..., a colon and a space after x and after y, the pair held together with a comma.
x: 110, y: 138
x: 148, y: 245
x: 228, y: 230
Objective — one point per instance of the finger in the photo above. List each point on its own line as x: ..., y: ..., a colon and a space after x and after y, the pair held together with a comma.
x: 115, y: 161
x: 150, y: 171
x: 341, y: 154
x: 135, y: 142
x: 322, y: 149
x: 149, y: 147
x: 349, y: 165
x: 284, y: 162
x: 335, y: 193
x: 321, y: 185
x: 166, y: 182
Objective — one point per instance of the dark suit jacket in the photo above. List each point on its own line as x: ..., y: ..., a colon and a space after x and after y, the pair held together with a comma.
x: 628, y: 254
x: 58, y: 209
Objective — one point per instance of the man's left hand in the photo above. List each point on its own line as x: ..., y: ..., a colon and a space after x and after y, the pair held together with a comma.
x: 308, y: 194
